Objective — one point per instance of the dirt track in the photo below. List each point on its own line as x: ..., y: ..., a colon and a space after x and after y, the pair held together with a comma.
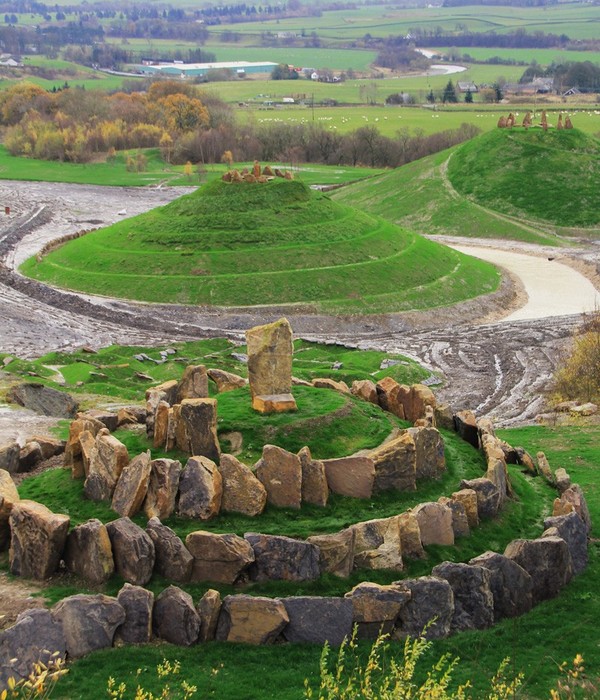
x: 499, y: 368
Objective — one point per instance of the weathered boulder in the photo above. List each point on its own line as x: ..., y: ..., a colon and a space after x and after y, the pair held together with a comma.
x: 107, y: 418
x: 410, y: 536
x: 336, y: 552
x: 242, y: 491
x: 274, y: 403
x: 280, y: 558
x: 9, y: 457
x: 388, y: 394
x: 429, y: 609
x: 218, y: 558
x: 200, y: 489
x: 377, y: 544
x: 465, y: 425
x: 137, y: 602
x: 366, y: 390
x: 280, y: 472
x: 162, y: 488
x: 251, y: 619
x: 35, y: 638
x: 193, y: 384
x: 167, y: 393
x: 435, y: 523
x: 430, y: 457
x: 395, y: 464
x: 376, y: 608
x: 575, y: 498
x: 73, y: 457
x: 544, y: 468
x: 87, y: 444
x: 328, y: 383
x: 43, y: 400
x: 88, y: 553
x: 49, y: 446
x: 526, y: 460
x: 37, y: 540
x: 314, y: 480
x: 488, y: 496
x: 208, y: 610
x: 226, y: 381
x: 175, y: 618
x: 8, y: 497
x: 510, y: 584
x: 131, y: 415
x: 421, y: 397
x: 107, y: 460
x: 573, y: 531
x: 196, y: 428
x: 468, y: 499
x: 563, y: 480
x: 547, y: 560
x: 350, y: 476
x: 172, y: 558
x: 89, y: 622
x: 161, y: 425
x: 315, y: 620
x: 497, y: 473
x: 132, y: 486
x: 133, y: 551
x: 444, y: 416
x: 473, y: 599
x: 30, y: 455
x: 460, y: 522
x: 270, y: 350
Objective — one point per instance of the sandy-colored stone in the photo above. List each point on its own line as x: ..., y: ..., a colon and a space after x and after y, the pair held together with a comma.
x: 366, y: 390
x: 193, y: 384
x: 8, y: 497
x: 395, y: 464
x: 430, y: 459
x: 465, y: 423
x: 161, y: 424
x: 88, y: 553
x: 226, y: 381
x: 196, y: 431
x: 73, y: 459
x: 460, y: 522
x: 208, y: 610
x: 200, y: 489
x: 435, y: 523
x: 280, y: 472
x: 270, y: 350
x: 163, y: 486
x: 132, y: 486
x: 350, y: 476
x: 108, y: 459
x: 314, y: 480
x: 376, y: 608
x: 421, y: 397
x: 274, y: 403
x: 468, y: 498
x: 328, y: 383
x: 378, y: 544
x: 218, y: 558
x: 242, y: 491
x: 388, y: 396
x: 410, y: 536
x: 544, y: 468
x: 336, y: 552
x: 251, y: 619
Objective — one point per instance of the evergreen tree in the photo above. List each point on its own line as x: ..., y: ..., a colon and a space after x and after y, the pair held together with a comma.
x: 468, y: 97
x: 449, y: 94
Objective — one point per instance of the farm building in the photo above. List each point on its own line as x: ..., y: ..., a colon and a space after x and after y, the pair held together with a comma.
x: 184, y: 70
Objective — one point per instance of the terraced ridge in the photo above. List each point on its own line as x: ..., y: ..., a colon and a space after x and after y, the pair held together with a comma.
x: 279, y: 243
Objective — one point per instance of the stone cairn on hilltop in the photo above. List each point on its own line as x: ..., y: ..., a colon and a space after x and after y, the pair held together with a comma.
x: 510, y: 121
x: 257, y: 174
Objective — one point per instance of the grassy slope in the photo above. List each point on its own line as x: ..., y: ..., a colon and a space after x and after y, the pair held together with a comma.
x: 551, y: 176
x: 243, y: 245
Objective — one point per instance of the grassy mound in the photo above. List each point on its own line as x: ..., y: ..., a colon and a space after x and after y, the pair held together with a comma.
x: 552, y: 176
x: 240, y: 244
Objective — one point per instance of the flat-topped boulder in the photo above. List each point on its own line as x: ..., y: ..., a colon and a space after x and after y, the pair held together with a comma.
x: 218, y: 558
x: 350, y: 476
x: 251, y: 619
x: 196, y: 428
x: 376, y: 608
x: 274, y: 403
x: 278, y: 558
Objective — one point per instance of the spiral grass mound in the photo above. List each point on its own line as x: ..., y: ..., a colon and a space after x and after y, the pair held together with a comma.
x: 549, y: 175
x: 244, y: 244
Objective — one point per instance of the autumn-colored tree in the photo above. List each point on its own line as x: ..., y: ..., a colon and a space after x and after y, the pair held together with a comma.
x: 166, y: 146
x: 19, y: 99
x: 181, y: 113
x: 227, y: 158
x: 578, y: 374
x: 188, y: 170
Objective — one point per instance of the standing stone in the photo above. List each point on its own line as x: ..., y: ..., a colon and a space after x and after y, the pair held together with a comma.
x: 396, y: 464
x: 87, y: 444
x: 544, y: 468
x: 574, y: 532
x: 193, y: 384
x: 89, y: 553
x: 488, y: 496
x: 377, y: 544
x: 8, y: 497
x: 376, y: 608
x: 108, y: 459
x: 460, y: 522
x: 133, y: 551
x: 175, y: 618
x: 473, y: 599
x: 280, y: 472
x: 435, y: 523
x: 468, y: 498
x: 410, y: 536
x: 35, y: 638
x: 208, y: 610
x: 315, y: 620
x: 510, y: 584
x: 9, y: 457
x: 547, y: 560
x: 73, y: 458
x: 137, y: 603
x: 162, y: 488
x: 251, y: 619
x: 429, y: 610
x: 226, y: 381
x: 421, y: 397
x: 218, y: 558
x: 563, y: 480
x: 132, y: 486
x: 196, y: 430
x: 200, y: 489
x: 314, y: 480
x: 444, y: 416
x: 388, y: 393
x: 270, y: 350
x: 242, y: 491
x: 166, y: 392
x: 89, y: 622
x: 172, y: 559
x: 574, y: 497
x: 350, y: 476
x: 161, y: 425
x: 38, y: 538
x: 430, y: 457
x: 366, y: 390
x: 278, y: 558
x: 336, y: 552
x: 465, y: 425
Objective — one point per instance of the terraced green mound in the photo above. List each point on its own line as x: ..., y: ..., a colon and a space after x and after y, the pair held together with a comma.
x: 553, y: 176
x: 278, y: 243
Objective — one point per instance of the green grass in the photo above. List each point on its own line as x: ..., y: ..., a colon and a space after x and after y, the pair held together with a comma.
x: 243, y: 244
x: 551, y: 176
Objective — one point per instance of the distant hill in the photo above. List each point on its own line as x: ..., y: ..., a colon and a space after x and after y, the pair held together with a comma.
x: 278, y: 243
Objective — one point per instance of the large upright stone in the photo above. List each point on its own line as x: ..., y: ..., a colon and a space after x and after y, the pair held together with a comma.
x: 89, y: 553
x: 73, y: 448
x: 410, y: 536
x: 133, y: 551
x: 165, y: 392
x: 395, y: 464
x: 278, y: 558
x: 421, y: 397
x: 161, y: 425
x: 473, y: 599
x: 200, y: 489
x: 132, y: 486
x: 193, y: 384
x: 316, y: 620
x: 172, y: 558
x: 468, y: 498
x: 574, y: 497
x: 430, y: 607
x: 175, y: 618
x: 510, y: 584
x: 488, y: 496
x: 251, y: 619
x: 242, y: 491
x: 336, y: 552
x: 9, y: 457
x: 574, y: 532
x: 109, y: 458
x: 460, y: 522
x: 280, y: 472
x: 137, y: 603
x: 8, y: 497
x: 43, y: 400
x: 435, y: 523
x: 218, y: 558
x: 162, y: 488
x: 196, y: 430
x: 314, y: 480
x: 378, y: 544
x: 430, y: 457
x: 376, y: 608
x: 270, y: 350
x: 37, y: 541
x: 352, y: 476
x: 208, y: 610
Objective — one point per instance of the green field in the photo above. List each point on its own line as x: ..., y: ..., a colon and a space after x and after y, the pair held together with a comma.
x: 241, y: 244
